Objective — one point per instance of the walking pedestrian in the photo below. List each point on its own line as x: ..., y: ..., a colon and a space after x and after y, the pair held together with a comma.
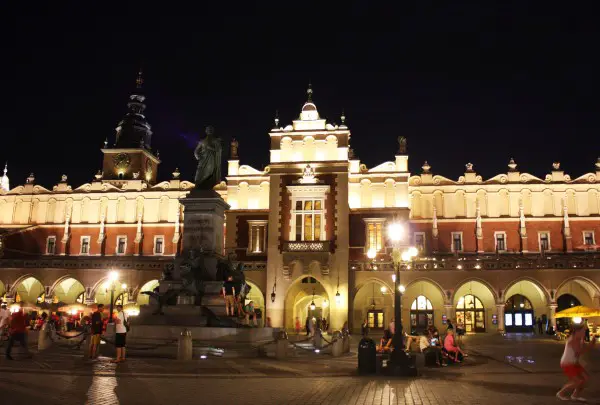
x: 4, y: 320
x: 121, y: 327
x: 364, y: 328
x: 297, y: 326
x: 17, y: 330
x: 97, y: 327
x: 571, y: 365
x: 540, y: 326
x: 307, y: 326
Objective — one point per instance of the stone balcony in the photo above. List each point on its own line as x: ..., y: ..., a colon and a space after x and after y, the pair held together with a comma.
x: 318, y: 246
x: 488, y: 262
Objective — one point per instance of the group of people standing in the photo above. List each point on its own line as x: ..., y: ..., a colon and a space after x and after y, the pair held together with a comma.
x: 311, y: 325
x: 234, y: 293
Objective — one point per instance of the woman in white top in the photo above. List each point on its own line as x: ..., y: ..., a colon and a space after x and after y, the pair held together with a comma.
x: 574, y: 348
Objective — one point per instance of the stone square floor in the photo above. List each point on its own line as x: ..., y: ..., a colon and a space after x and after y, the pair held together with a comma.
x: 500, y: 370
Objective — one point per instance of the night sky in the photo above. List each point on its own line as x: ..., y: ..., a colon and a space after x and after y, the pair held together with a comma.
x: 463, y: 83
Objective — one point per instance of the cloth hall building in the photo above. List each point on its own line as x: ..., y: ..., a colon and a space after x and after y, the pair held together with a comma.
x: 311, y: 228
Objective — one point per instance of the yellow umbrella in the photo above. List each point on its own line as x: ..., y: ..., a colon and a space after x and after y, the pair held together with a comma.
x: 579, y: 311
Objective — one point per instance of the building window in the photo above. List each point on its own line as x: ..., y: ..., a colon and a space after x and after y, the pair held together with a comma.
x: 308, y: 223
x: 85, y: 245
x: 121, y: 245
x: 420, y: 241
x: 457, y: 241
x: 257, y: 238
x: 544, y: 241
x: 375, y: 319
x: 51, y: 245
x: 500, y: 238
x: 375, y: 229
x: 159, y: 243
x: 588, y: 238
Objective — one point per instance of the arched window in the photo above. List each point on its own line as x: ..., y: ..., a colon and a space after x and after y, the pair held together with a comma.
x: 471, y: 313
x: 80, y: 298
x: 421, y: 314
x: 518, y: 314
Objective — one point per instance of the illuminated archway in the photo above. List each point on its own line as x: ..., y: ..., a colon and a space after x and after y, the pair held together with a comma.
x: 565, y: 301
x: 68, y: 290
x: 434, y: 293
x: 28, y: 290
x: 258, y: 299
x: 519, y: 315
x: 143, y: 299
x: 373, y: 302
x: 300, y: 295
x: 476, y: 315
x: 421, y: 314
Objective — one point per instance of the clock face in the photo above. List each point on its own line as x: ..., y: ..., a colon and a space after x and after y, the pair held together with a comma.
x: 122, y: 161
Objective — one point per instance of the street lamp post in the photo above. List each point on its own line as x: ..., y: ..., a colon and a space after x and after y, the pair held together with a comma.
x: 112, y: 280
x: 396, y: 233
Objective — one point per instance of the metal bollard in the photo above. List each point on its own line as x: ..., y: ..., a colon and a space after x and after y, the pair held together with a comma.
x: 346, y: 342
x: 44, y: 341
x: 184, y: 346
x: 337, y: 348
x: 318, y: 339
x: 281, y: 345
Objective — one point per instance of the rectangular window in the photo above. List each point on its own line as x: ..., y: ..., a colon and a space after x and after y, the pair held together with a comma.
x: 308, y: 220
x: 374, y: 235
x: 544, y: 241
x: 257, y: 239
x: 85, y: 245
x: 588, y: 238
x: 51, y: 245
x: 500, y: 241
x: 457, y: 242
x: 121, y: 245
x: 159, y: 242
x: 420, y: 241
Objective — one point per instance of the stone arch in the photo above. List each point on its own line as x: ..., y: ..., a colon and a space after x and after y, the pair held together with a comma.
x: 526, y: 201
x: 460, y: 203
x: 258, y: 297
x: 593, y: 202
x: 503, y: 203
x: 548, y: 202
x: 143, y: 299
x: 438, y: 203
x: 101, y: 295
x: 67, y: 289
x: 299, y: 295
x: 373, y: 294
x: 36, y: 210
x: 28, y: 287
x: 543, y: 293
x: 86, y: 210
x: 430, y: 290
x: 482, y: 200
x: 482, y: 291
x: 163, y: 209
x: 121, y: 209
x: 584, y: 289
x: 51, y: 211
x: 415, y: 205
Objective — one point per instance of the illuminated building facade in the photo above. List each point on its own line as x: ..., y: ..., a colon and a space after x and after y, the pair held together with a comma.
x: 493, y: 253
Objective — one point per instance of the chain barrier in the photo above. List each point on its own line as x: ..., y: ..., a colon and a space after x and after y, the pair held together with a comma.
x: 132, y: 347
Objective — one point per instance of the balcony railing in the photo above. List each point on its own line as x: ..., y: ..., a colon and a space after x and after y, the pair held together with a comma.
x: 307, y: 246
x: 491, y: 262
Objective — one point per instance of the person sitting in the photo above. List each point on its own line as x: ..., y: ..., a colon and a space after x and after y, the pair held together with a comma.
x: 409, y: 339
x: 451, y: 348
x: 427, y: 346
x: 385, y: 345
x: 251, y: 313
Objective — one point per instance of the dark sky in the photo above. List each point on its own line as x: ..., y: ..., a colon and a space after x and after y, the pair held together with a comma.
x: 463, y: 83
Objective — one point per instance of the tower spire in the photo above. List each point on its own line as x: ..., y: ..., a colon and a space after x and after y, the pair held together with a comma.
x: 4, y: 183
x: 309, y: 92
x: 133, y: 131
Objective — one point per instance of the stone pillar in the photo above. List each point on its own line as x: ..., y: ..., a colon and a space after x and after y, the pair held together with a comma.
x: 276, y: 283
x: 184, y: 347
x: 551, y: 314
x: 500, y: 314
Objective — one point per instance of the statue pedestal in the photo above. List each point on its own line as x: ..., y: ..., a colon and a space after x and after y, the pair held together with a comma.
x: 203, y: 222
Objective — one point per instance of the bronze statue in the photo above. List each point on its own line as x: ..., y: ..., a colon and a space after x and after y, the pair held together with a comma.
x: 208, y: 153
x: 401, y: 145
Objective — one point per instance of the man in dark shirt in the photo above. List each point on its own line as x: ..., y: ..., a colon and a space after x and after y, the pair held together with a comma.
x: 18, y: 328
x: 229, y: 295
x: 97, y: 327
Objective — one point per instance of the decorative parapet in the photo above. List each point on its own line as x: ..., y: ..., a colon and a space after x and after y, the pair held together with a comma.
x: 491, y: 262
x: 307, y: 246
x: 108, y: 263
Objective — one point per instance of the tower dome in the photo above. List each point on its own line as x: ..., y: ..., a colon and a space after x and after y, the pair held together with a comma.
x: 309, y: 109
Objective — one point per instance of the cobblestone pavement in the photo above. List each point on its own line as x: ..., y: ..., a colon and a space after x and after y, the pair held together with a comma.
x: 500, y: 371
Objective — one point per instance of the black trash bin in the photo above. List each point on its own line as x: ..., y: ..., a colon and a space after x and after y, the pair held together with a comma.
x: 367, y: 356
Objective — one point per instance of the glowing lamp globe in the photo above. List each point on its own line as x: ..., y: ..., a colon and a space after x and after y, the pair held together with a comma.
x: 395, y: 232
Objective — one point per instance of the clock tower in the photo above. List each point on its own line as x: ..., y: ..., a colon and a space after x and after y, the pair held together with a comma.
x: 131, y: 156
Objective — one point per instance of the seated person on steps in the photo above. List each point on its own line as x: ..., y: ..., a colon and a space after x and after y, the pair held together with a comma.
x: 385, y: 345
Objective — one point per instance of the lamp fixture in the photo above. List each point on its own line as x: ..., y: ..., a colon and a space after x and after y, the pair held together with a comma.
x: 312, y: 303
